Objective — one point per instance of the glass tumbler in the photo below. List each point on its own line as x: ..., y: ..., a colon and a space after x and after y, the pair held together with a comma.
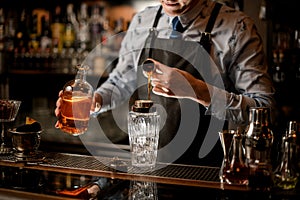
x: 143, y: 130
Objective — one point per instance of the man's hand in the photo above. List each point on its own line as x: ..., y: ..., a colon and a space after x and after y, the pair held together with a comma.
x: 57, y: 109
x: 93, y: 192
x: 175, y: 83
x: 95, y: 107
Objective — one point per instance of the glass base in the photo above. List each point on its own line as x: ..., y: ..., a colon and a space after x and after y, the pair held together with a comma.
x: 4, y: 149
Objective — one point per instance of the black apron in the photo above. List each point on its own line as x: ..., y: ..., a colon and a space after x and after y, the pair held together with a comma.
x: 185, y: 124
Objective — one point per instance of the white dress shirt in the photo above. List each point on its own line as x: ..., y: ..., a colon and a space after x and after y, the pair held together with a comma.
x: 237, y: 50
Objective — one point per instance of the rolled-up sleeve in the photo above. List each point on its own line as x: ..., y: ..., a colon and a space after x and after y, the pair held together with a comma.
x: 246, y: 77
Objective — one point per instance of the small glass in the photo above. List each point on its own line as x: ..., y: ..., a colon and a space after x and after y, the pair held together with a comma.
x: 25, y: 144
x: 8, y: 112
x: 143, y: 130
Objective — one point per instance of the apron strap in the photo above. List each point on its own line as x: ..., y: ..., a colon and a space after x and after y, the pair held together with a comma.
x: 152, y: 34
x: 158, y: 14
x: 205, y: 40
x: 206, y: 35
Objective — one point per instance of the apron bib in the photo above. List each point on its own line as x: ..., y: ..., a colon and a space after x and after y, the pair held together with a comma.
x: 184, y: 123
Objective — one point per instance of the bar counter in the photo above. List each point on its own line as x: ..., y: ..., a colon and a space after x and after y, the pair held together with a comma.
x: 66, y: 166
x: 53, y: 175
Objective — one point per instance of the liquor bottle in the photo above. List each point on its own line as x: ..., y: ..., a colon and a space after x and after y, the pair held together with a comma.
x: 57, y: 29
x: 34, y: 41
x: 95, y: 26
x: 8, y: 41
x: 297, y: 128
x: 83, y: 34
x: 2, y: 29
x: 258, y: 143
x: 278, y: 72
x: 286, y: 174
x: 2, y: 42
x: 76, y: 104
x: 107, y: 38
x: 45, y: 40
x: 71, y: 25
x: 9, y: 34
x: 22, y: 32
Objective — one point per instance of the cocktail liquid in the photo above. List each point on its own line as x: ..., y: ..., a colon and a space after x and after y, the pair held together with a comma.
x: 75, y: 114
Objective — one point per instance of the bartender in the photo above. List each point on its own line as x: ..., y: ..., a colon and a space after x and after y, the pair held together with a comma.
x: 206, y: 75
x: 209, y: 69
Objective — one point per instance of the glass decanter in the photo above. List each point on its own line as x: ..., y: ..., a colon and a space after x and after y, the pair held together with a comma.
x: 238, y: 172
x: 76, y: 103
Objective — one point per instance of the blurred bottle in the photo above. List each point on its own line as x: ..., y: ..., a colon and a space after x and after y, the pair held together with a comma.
x: 9, y: 33
x: 286, y: 174
x: 34, y: 41
x: 57, y: 29
x: 2, y: 41
x: 2, y: 29
x: 71, y: 25
x: 278, y: 69
x: 45, y: 43
x: 295, y: 55
x: 22, y: 34
x: 106, y: 40
x: 96, y: 26
x: 296, y: 129
x: 8, y: 41
x: 45, y: 33
x: 83, y: 35
x: 258, y: 143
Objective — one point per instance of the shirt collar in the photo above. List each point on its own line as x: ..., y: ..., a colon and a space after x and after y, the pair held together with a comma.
x: 189, y: 16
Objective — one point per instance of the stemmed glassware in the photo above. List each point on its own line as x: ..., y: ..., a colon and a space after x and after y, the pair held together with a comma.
x: 8, y: 112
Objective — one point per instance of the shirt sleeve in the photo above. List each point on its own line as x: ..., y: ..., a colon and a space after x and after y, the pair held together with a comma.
x: 102, y: 182
x: 247, y: 81
x: 121, y: 82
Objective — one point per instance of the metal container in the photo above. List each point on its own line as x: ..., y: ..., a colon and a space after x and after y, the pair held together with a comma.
x: 25, y: 144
